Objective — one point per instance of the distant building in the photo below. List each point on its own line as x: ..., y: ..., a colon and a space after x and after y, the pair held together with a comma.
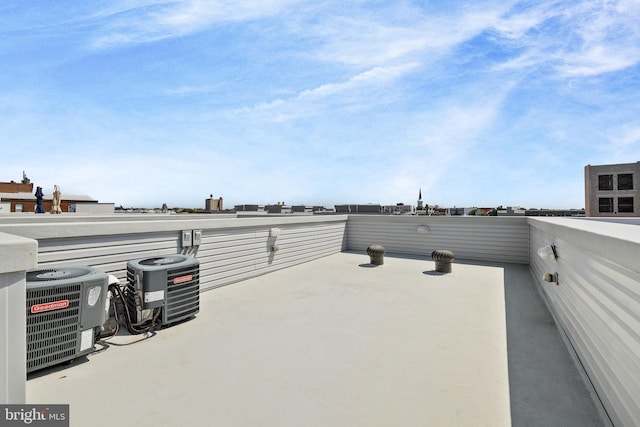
x: 457, y: 211
x: 370, y: 208
x: 612, y: 190
x: 213, y: 205
x: 17, y: 187
x: 398, y: 209
x: 20, y: 197
x: 519, y: 211
x: 92, y: 208
x: 246, y: 208
x: 273, y: 208
x: 554, y: 212
x: 512, y: 211
x: 302, y: 209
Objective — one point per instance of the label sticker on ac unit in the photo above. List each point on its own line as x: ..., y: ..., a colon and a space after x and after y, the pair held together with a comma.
x: 86, y: 339
x: 48, y: 306
x: 153, y: 296
x: 182, y: 279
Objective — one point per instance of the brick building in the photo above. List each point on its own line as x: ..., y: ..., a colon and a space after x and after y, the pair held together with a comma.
x: 20, y: 197
x: 612, y: 190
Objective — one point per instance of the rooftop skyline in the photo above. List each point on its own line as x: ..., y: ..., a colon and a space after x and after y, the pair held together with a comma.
x: 481, y: 103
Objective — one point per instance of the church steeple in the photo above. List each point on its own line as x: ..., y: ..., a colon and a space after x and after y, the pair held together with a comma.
x: 420, y: 199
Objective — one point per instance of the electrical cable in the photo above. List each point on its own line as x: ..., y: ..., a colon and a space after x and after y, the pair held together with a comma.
x: 134, y: 330
x: 114, y: 306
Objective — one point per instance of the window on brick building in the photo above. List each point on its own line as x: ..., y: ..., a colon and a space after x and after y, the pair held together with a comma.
x: 605, y: 204
x: 625, y: 204
x: 605, y: 182
x: 625, y: 181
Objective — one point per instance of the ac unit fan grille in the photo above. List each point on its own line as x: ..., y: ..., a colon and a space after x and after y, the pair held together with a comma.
x: 52, y: 336
x: 166, y: 260
x: 50, y: 274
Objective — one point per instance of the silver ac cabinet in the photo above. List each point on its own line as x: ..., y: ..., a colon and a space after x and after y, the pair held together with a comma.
x: 169, y: 282
x: 65, y: 311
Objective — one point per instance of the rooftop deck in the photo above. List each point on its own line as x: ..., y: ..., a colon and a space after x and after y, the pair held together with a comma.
x: 338, y: 342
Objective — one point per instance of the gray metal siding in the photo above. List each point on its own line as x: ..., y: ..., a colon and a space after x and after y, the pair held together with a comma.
x: 107, y: 253
x: 597, y: 304
x: 231, y: 249
x: 235, y: 255
x: 500, y: 239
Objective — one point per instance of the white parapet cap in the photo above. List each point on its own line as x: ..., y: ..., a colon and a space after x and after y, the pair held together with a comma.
x: 17, y: 253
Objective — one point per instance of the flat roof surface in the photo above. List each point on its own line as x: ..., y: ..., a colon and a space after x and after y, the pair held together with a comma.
x: 333, y: 342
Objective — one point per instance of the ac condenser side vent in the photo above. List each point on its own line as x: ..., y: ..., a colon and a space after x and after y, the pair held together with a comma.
x: 183, y: 293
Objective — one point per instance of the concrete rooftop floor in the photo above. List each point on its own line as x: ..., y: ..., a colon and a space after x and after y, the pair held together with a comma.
x: 338, y: 342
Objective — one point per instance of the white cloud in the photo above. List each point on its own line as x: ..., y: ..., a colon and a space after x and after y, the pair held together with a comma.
x: 599, y: 59
x: 370, y: 39
x: 146, y: 21
x: 358, y: 90
x: 436, y: 144
x: 574, y: 39
x: 516, y: 25
x: 624, y: 143
x: 190, y: 90
x: 630, y: 135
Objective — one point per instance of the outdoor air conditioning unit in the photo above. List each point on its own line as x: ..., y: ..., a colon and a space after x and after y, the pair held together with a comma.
x: 170, y: 283
x: 65, y: 309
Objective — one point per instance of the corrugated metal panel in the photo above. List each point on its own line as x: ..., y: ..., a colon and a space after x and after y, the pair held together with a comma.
x: 597, y: 305
x: 502, y: 239
x: 107, y: 253
x: 226, y: 255
x: 235, y: 255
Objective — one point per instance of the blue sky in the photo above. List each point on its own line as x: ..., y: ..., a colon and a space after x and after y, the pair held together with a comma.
x: 479, y: 103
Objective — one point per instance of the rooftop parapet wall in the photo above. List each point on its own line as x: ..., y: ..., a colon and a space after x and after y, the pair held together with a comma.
x: 232, y: 249
x: 596, y: 303
x: 499, y: 239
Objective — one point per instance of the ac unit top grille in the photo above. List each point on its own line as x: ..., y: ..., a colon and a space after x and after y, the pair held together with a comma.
x: 48, y: 274
x: 168, y: 260
x: 161, y: 262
